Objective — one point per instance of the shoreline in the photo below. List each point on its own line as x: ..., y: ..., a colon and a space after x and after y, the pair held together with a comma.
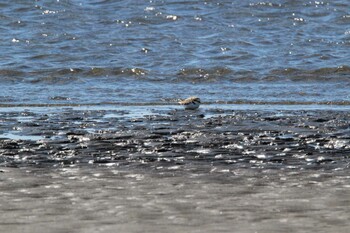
x: 174, y: 102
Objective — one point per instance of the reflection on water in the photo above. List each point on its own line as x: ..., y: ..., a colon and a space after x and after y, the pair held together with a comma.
x: 21, y: 137
x: 194, y: 199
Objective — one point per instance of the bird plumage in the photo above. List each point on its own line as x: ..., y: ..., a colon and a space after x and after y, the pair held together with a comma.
x: 191, y: 103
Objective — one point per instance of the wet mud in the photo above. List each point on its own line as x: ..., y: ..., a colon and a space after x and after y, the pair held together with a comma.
x: 176, y: 138
x: 212, y: 170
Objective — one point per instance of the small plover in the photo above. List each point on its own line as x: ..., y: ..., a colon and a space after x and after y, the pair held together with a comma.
x: 191, y: 103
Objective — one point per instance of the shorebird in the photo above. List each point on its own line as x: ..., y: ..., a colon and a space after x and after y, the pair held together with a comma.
x: 191, y: 103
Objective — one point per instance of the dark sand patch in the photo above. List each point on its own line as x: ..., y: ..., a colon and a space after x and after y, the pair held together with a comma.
x: 244, y: 139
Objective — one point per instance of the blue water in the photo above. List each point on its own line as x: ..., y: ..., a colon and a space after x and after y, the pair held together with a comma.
x: 156, y: 52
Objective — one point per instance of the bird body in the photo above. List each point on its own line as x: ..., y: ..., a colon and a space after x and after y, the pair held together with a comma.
x: 191, y: 103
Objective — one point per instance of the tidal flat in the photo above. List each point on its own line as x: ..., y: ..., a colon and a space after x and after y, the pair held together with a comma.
x: 212, y: 170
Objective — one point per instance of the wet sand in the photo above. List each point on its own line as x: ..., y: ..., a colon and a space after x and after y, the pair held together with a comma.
x: 263, y: 139
x: 174, y: 170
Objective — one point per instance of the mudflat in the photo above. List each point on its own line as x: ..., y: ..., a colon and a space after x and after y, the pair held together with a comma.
x: 211, y: 170
x: 264, y: 139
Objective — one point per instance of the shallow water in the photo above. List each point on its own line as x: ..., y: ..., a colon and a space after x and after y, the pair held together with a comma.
x: 110, y: 198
